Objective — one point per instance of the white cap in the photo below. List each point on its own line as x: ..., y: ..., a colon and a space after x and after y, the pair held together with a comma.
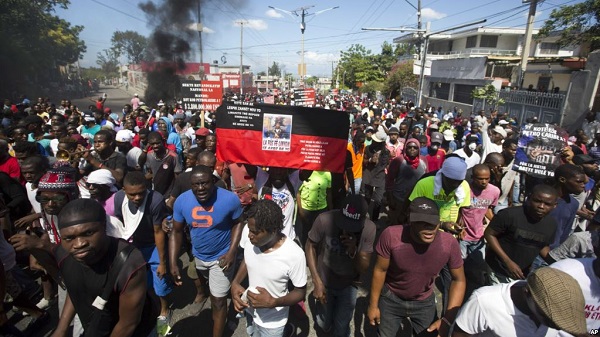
x: 448, y: 135
x: 136, y: 95
x: 500, y: 130
x: 124, y: 136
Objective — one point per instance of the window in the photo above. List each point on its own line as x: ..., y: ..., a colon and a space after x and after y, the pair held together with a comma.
x: 549, y: 48
x: 440, y: 90
x: 471, y: 42
x: 462, y: 93
x: 488, y: 41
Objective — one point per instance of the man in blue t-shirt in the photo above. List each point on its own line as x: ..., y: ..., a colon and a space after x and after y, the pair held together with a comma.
x: 213, y: 215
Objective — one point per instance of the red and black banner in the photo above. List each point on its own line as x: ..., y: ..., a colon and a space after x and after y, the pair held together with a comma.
x: 282, y: 136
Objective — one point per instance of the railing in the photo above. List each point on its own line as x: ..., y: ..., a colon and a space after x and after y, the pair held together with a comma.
x: 541, y: 99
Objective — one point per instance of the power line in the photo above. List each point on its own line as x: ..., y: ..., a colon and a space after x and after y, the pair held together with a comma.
x: 119, y: 11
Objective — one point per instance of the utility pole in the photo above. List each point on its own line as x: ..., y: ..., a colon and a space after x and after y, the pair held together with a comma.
x: 527, y: 41
x: 200, y: 35
x: 241, y: 23
x: 426, y: 34
x: 302, y: 14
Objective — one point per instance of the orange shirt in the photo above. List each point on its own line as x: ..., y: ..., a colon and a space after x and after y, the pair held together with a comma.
x: 357, y: 160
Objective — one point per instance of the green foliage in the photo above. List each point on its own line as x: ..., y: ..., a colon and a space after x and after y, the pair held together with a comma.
x: 131, y: 44
x: 108, y: 62
x: 275, y: 70
x: 579, y: 24
x: 371, y: 88
x: 92, y: 73
x: 34, y: 42
x: 400, y: 76
x: 311, y: 81
x: 261, y: 73
x: 489, y: 94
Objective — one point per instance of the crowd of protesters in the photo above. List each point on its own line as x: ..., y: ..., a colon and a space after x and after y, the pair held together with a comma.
x: 98, y: 208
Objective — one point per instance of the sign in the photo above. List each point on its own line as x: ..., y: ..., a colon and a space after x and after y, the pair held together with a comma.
x: 282, y: 136
x: 201, y: 95
x: 465, y: 68
x: 269, y: 99
x: 304, y: 97
x: 538, y: 153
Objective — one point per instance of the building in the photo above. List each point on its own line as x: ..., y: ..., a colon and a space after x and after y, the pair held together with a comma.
x: 459, y: 62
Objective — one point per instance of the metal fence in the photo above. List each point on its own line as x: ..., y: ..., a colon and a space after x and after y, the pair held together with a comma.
x: 522, y: 104
x: 409, y: 94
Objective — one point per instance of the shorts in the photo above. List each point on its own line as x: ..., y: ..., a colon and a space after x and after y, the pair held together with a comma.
x: 162, y: 287
x: 219, y: 281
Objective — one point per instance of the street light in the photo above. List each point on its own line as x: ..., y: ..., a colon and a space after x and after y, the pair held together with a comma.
x: 302, y: 13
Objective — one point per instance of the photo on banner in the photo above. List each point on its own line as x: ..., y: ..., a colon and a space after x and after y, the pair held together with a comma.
x: 282, y: 136
x: 539, y: 149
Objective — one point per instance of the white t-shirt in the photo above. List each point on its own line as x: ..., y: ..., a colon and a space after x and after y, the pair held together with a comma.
x: 132, y: 156
x: 490, y: 312
x: 272, y: 271
x: 582, y: 270
x: 31, y: 193
x: 471, y: 161
x: 284, y: 199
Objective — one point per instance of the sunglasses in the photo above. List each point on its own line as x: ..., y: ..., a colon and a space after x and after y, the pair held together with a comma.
x: 92, y: 186
x: 56, y: 199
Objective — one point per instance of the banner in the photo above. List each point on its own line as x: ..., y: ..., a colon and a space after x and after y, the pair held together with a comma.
x: 304, y: 97
x: 540, y: 146
x: 282, y: 136
x: 201, y: 95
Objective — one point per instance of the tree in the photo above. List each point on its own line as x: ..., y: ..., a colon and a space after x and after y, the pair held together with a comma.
x: 261, y: 73
x: 108, y: 62
x: 131, y: 44
x: 357, y: 66
x: 400, y: 76
x: 34, y: 43
x: 311, y: 81
x: 488, y: 94
x: 578, y: 24
x: 275, y: 70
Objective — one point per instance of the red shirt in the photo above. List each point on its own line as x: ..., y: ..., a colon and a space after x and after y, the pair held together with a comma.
x: 414, y: 267
x: 434, y: 162
x: 12, y: 168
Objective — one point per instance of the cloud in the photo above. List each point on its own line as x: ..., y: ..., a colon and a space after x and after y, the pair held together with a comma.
x: 431, y: 14
x: 207, y: 30
x: 273, y: 13
x: 314, y: 57
x: 252, y: 24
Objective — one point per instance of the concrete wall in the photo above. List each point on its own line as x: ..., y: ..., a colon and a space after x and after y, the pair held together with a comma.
x: 508, y: 42
x: 584, y: 85
x: 560, y: 80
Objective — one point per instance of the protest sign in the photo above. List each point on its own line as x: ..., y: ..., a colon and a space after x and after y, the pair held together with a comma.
x: 304, y: 97
x: 539, y: 149
x: 201, y: 95
x: 282, y: 136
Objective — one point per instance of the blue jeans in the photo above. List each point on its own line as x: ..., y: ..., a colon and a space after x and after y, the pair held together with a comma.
x: 255, y: 330
x: 338, y: 311
x: 394, y: 309
x: 472, y: 249
x: 357, y: 183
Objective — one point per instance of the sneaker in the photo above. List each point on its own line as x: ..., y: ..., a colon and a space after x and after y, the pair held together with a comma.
x: 43, y: 304
x: 162, y: 326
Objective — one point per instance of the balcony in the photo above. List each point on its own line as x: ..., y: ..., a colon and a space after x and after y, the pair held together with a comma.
x: 455, y: 54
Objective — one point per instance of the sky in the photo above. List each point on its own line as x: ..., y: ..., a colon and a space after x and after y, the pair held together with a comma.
x: 274, y: 35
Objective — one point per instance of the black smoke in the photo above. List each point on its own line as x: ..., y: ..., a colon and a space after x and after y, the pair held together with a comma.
x: 172, y: 41
x: 170, y: 45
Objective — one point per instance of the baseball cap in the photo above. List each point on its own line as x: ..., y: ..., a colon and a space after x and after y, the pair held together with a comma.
x: 422, y: 209
x: 352, y: 216
x: 393, y: 130
x: 203, y: 132
x: 500, y: 130
x: 448, y: 135
x: 472, y: 138
x: 436, y: 137
x: 558, y: 296
x: 379, y: 136
x: 369, y: 129
x: 503, y: 122
x: 124, y: 136
x: 583, y: 159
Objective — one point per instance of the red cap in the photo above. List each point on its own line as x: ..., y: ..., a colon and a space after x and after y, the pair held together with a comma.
x: 203, y: 132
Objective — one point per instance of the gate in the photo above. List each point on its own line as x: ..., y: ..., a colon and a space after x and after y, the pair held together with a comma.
x: 409, y: 94
x: 522, y: 105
